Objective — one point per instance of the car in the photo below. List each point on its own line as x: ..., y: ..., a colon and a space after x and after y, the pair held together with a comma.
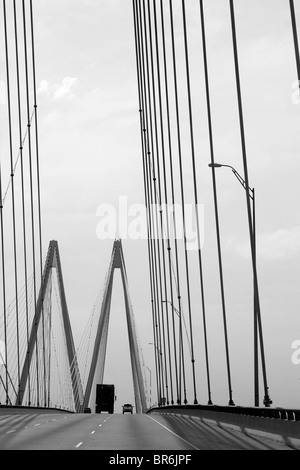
x: 127, y: 408
x: 87, y: 410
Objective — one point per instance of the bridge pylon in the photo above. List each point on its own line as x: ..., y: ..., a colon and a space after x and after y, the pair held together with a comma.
x: 96, y: 372
x: 52, y: 262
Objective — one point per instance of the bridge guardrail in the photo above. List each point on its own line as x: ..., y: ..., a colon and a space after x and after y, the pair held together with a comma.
x: 22, y: 408
x: 276, y: 413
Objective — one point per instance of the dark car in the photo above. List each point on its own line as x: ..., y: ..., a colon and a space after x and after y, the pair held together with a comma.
x: 87, y: 410
x: 127, y: 408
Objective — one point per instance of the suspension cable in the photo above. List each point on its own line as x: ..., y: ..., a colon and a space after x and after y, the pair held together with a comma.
x: 212, y: 160
x: 295, y: 36
x: 267, y: 400
x: 13, y: 187
x: 157, y: 181
x: 146, y: 152
x: 4, y: 285
x: 166, y: 192
x: 38, y: 179
x: 21, y: 155
x: 149, y: 128
x: 31, y: 190
x: 179, y: 147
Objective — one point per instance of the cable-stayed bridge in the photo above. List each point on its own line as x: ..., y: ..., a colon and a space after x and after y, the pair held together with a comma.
x: 42, y: 370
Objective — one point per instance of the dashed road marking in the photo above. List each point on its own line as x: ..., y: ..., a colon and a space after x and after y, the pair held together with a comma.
x: 79, y: 445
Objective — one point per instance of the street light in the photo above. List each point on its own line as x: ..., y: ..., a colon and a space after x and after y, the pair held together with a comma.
x: 257, y: 318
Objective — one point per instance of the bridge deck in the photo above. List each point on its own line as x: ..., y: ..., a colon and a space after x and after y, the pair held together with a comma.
x: 40, y: 431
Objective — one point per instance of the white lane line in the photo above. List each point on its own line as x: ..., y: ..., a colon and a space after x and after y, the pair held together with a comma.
x: 167, y: 429
x: 100, y: 425
x: 93, y: 432
x: 38, y: 424
x: 79, y: 445
x: 9, y: 432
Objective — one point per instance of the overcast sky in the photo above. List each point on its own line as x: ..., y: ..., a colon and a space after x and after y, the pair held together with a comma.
x: 91, y: 155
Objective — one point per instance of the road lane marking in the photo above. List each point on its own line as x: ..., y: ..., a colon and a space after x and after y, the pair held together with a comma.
x: 9, y: 432
x: 93, y: 432
x: 167, y: 429
x: 38, y: 424
x: 79, y: 445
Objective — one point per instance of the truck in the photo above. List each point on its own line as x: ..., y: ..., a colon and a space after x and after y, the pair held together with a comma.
x: 105, y: 398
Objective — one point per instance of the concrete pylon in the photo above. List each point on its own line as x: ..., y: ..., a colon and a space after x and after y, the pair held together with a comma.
x: 99, y: 353
x: 52, y: 262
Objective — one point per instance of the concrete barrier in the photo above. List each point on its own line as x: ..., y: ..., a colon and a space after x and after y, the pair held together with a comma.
x: 280, y: 430
x: 29, y: 409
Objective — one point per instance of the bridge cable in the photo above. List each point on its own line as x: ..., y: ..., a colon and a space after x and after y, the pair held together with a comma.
x: 153, y: 203
x: 295, y: 36
x: 158, y: 199
x: 173, y: 198
x: 145, y: 146
x: 194, y: 184
x: 37, y: 174
x: 4, y: 286
x: 31, y: 193
x: 137, y: 52
x: 165, y: 186
x: 267, y: 400
x: 146, y: 189
x: 21, y: 143
x: 179, y: 148
x: 207, y: 88
x: 12, y: 188
x: 197, y: 214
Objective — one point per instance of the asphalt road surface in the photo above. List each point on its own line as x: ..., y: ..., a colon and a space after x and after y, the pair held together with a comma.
x: 119, y: 432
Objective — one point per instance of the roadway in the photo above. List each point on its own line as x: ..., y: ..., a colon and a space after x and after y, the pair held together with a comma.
x: 117, y: 432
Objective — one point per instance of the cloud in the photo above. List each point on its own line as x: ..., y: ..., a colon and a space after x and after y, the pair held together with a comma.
x: 64, y: 89
x: 44, y: 87
x: 283, y: 243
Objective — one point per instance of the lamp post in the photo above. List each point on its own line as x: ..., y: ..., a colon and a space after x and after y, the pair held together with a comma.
x: 256, y: 313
